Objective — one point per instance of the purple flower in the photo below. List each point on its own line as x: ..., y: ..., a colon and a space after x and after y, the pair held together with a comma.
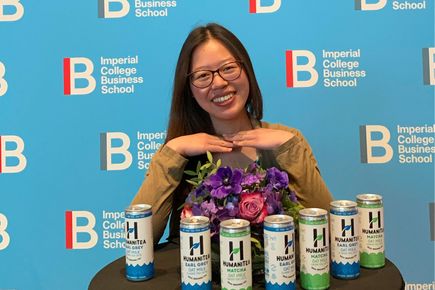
x: 273, y: 201
x: 278, y: 179
x: 232, y: 208
x: 224, y: 182
x: 197, y: 195
x: 196, y: 209
x: 293, y: 197
x: 208, y: 208
x: 251, y: 179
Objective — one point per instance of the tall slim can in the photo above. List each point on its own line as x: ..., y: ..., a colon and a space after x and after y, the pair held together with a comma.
x: 371, y: 217
x: 195, y: 250
x: 279, y: 252
x: 235, y: 255
x: 139, y: 256
x: 314, y: 248
x: 344, y: 224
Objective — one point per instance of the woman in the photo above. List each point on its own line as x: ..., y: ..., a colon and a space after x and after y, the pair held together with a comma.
x: 217, y: 107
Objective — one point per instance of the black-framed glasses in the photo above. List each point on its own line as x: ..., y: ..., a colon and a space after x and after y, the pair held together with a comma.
x: 203, y: 78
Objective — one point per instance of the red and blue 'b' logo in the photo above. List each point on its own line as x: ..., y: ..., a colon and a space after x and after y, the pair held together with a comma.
x: 256, y: 7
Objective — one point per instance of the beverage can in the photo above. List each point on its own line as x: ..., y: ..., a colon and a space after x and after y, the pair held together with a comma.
x: 371, y: 220
x: 235, y: 254
x: 279, y: 252
x: 314, y: 248
x: 139, y: 256
x: 195, y: 250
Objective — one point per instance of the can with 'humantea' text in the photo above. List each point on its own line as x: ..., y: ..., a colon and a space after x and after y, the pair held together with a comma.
x: 195, y: 250
x: 344, y: 224
x: 279, y: 252
x: 235, y: 254
x: 371, y: 219
x: 314, y: 248
x: 139, y: 256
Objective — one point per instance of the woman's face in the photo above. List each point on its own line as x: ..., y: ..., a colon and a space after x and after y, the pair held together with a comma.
x: 223, y: 100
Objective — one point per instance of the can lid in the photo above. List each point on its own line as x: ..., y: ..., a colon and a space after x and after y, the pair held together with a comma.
x: 369, y: 198
x: 343, y: 204
x: 194, y: 221
x: 138, y: 208
x: 313, y: 213
x: 234, y: 224
x: 278, y: 219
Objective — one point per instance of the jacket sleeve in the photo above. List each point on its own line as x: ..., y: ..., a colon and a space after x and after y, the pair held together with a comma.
x: 164, y: 175
x: 296, y: 158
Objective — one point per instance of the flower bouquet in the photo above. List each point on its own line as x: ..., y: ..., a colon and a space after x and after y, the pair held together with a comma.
x: 222, y: 193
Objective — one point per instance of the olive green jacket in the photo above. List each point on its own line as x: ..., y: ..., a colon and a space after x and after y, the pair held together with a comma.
x: 164, y: 186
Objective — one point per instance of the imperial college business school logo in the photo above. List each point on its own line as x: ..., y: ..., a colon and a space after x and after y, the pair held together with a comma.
x: 397, y: 5
x: 428, y: 66
x: 11, y: 10
x: 335, y: 68
x: 83, y: 232
x: 12, y: 158
x: 117, y: 75
x: 3, y: 82
x: 117, y: 150
x: 256, y: 6
x: 139, y: 8
x: 4, y: 236
x: 414, y: 144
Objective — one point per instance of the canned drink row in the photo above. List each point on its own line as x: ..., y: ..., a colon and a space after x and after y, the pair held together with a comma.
x: 357, y: 239
x: 235, y: 253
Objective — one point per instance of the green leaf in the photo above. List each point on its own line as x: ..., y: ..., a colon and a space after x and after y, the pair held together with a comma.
x: 192, y: 182
x: 209, y: 157
x: 205, y: 166
x: 218, y: 163
x: 190, y: 172
x: 198, y: 166
x: 256, y: 243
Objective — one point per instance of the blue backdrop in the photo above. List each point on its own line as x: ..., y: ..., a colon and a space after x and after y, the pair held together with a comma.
x: 85, y: 90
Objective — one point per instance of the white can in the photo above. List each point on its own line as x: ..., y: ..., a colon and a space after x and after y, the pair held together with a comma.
x: 235, y: 254
x: 279, y: 252
x: 314, y: 247
x: 139, y: 255
x: 195, y: 253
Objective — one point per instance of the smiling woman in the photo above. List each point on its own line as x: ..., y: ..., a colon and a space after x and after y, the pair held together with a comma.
x: 217, y: 107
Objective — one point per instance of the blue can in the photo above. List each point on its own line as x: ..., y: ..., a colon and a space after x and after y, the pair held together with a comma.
x: 139, y: 249
x: 345, y: 258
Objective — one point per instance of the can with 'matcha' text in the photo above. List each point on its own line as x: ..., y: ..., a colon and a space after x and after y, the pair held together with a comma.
x: 139, y: 256
x: 195, y: 250
x: 279, y: 252
x: 235, y: 255
x: 371, y: 220
x: 343, y: 219
x: 314, y: 248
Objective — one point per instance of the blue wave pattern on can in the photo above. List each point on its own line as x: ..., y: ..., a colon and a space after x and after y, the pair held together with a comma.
x: 204, y: 286
x: 347, y: 270
x: 138, y: 216
x: 140, y: 272
x: 272, y: 229
x: 289, y: 286
x: 344, y: 213
x: 198, y: 230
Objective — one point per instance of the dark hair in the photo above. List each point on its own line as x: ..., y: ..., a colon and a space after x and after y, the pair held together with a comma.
x: 186, y: 116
